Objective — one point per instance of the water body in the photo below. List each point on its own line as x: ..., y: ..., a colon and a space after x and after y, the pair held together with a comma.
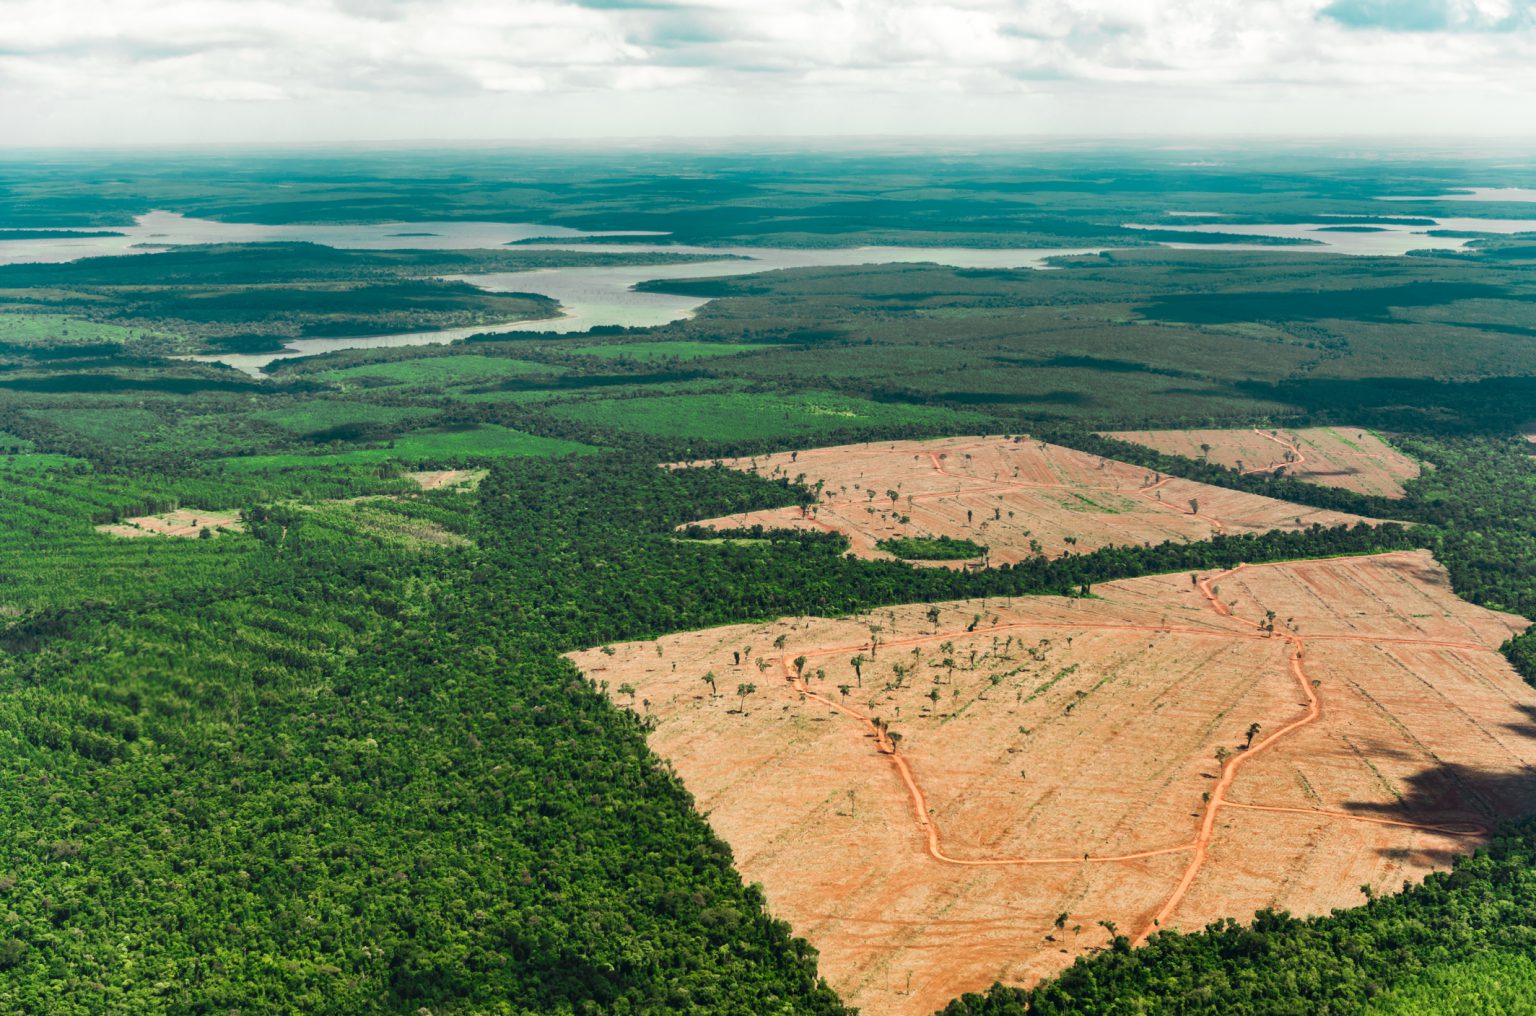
x: 158, y: 231
x: 596, y: 296
x: 604, y: 295
x: 1389, y: 240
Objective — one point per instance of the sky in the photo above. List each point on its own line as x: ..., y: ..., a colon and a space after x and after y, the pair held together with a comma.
x: 111, y: 72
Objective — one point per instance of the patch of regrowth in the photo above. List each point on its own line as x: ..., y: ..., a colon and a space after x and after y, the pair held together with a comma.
x: 931, y: 548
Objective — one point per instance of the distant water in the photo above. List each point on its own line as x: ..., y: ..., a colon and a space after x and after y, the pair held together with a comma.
x: 160, y: 230
x: 1391, y: 240
x: 597, y: 296
x: 590, y: 297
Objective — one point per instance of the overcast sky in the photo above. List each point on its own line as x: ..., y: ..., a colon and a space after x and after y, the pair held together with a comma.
x: 114, y: 71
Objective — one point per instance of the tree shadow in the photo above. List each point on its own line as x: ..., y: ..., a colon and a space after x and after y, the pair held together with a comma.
x: 1459, y: 797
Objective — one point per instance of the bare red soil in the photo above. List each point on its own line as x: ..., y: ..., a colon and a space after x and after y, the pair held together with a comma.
x: 187, y: 523
x: 1348, y: 457
x: 997, y: 779
x: 1017, y: 497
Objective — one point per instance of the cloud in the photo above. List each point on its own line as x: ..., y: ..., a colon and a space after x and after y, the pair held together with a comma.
x: 1433, y: 15
x: 662, y: 61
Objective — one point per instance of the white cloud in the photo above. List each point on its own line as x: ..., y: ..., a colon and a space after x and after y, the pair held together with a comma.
x: 663, y: 66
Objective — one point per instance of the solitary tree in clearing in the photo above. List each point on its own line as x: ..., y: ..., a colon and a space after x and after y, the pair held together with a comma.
x: 800, y: 667
x: 1253, y: 731
x: 843, y: 690
x: 743, y: 690
x: 628, y: 689
x: 709, y: 679
x: 1222, y: 754
x: 1061, y: 920
x: 858, y: 668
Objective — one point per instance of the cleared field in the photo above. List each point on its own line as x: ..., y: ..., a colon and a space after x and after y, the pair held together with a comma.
x: 1017, y: 497
x: 187, y: 523
x: 437, y: 479
x: 1349, y: 457
x: 991, y: 787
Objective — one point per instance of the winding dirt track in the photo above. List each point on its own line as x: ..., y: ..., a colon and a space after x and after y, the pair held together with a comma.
x: 1361, y: 462
x: 1216, y: 800
x: 1300, y: 459
x: 933, y: 856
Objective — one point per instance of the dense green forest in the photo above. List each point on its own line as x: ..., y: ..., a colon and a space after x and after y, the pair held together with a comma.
x: 336, y: 763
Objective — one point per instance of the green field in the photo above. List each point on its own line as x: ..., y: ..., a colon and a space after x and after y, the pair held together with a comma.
x: 427, y: 448
x: 932, y: 548
x: 23, y: 329
x: 437, y: 371
x: 739, y: 416
x: 680, y: 350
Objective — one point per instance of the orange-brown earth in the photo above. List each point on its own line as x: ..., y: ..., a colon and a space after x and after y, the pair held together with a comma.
x: 998, y: 778
x: 185, y: 523
x: 438, y: 479
x: 1349, y: 457
x: 1015, y: 496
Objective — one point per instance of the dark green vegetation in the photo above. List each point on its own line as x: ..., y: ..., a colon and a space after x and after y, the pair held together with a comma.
x: 250, y: 297
x: 337, y: 765
x: 932, y: 548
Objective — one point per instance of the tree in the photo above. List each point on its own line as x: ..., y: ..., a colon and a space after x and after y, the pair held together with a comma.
x: 743, y: 690
x: 1253, y: 731
x: 628, y: 689
x: 709, y: 679
x: 1061, y: 920
x: 858, y: 668
x: 800, y: 667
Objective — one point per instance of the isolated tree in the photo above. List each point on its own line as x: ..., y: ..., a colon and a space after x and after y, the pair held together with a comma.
x: 1253, y: 731
x: 742, y: 691
x: 800, y: 667
x: 1061, y: 920
x: 1222, y: 754
x: 628, y: 689
x: 843, y: 690
x: 778, y: 643
x: 933, y: 615
x: 858, y: 668
x: 1194, y: 506
x: 709, y: 679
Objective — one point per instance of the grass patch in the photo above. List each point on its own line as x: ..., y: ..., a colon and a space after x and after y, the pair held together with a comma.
x: 434, y: 447
x: 682, y: 350
x: 438, y: 371
x: 736, y: 416
x: 931, y: 548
